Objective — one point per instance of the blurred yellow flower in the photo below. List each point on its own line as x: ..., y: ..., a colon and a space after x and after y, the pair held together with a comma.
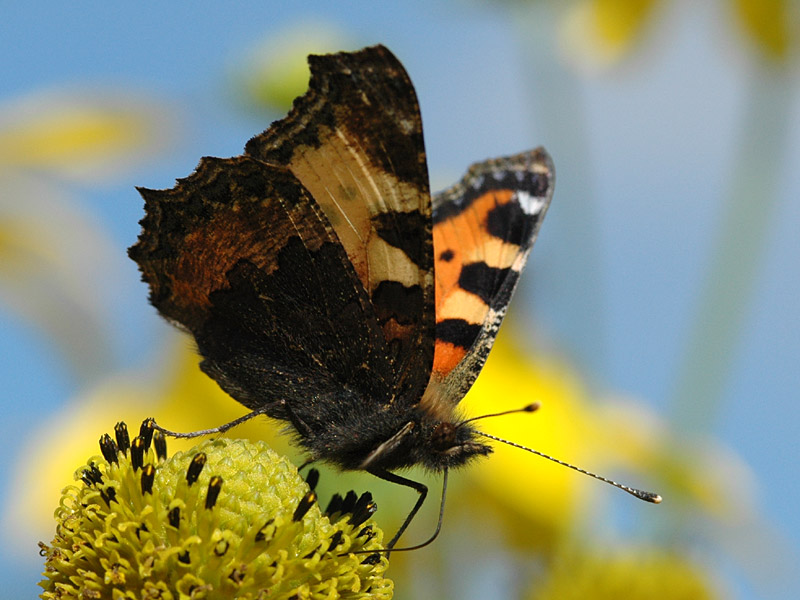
x: 276, y: 71
x: 83, y: 135
x: 51, y: 254
x: 543, y: 494
x: 184, y: 399
x: 773, y: 25
x: 599, y: 33
x: 542, y: 504
x: 51, y: 257
x: 633, y: 574
x: 698, y: 472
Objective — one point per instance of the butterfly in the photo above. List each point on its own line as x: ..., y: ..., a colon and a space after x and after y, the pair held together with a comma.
x: 326, y: 288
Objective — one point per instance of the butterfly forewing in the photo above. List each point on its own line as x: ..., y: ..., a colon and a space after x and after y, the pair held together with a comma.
x: 354, y: 140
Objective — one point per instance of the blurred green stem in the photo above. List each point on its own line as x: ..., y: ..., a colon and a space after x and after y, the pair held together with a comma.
x: 724, y: 303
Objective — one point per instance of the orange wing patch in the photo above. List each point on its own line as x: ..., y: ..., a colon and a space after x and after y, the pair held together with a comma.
x: 483, y: 230
x: 461, y: 240
x: 465, y: 239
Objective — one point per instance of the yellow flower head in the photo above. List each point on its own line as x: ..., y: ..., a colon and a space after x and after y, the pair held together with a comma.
x: 229, y: 518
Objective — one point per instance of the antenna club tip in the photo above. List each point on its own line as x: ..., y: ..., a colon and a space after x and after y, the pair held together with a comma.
x: 649, y: 497
x: 532, y: 407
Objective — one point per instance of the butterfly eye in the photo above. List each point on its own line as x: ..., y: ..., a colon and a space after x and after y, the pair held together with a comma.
x: 443, y: 437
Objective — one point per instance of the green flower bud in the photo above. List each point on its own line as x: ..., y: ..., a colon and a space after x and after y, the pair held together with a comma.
x: 227, y: 519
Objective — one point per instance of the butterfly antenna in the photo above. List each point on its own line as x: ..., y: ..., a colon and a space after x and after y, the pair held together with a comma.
x: 641, y: 494
x: 534, y: 406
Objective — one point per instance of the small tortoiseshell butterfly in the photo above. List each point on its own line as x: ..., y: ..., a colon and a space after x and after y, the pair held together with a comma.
x: 325, y: 287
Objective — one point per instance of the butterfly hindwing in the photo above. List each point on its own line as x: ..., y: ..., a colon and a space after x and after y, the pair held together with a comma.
x: 354, y: 140
x: 484, y: 229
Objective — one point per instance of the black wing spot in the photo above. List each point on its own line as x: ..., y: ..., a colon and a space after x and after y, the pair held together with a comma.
x: 509, y: 223
x: 457, y: 332
x: 392, y: 299
x: 482, y: 280
x: 408, y: 231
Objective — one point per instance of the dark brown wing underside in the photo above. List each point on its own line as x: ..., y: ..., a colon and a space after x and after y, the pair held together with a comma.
x: 354, y: 140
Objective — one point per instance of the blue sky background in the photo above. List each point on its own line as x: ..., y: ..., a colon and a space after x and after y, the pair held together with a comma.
x: 659, y: 136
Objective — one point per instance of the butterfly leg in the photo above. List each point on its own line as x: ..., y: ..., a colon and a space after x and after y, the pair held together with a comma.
x: 421, y: 488
x: 213, y: 430
x: 308, y: 461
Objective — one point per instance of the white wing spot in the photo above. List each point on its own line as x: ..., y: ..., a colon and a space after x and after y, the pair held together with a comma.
x: 532, y: 205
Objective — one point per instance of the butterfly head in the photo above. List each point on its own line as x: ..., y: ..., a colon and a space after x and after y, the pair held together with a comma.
x: 452, y: 445
x: 431, y: 442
